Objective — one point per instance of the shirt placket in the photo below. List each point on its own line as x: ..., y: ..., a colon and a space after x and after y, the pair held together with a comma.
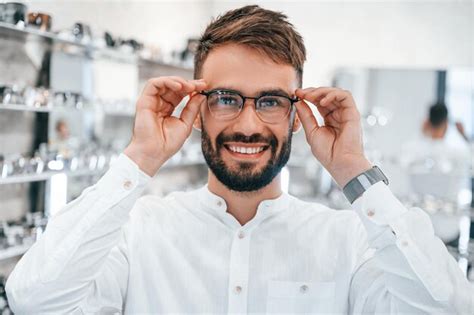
x: 239, y: 271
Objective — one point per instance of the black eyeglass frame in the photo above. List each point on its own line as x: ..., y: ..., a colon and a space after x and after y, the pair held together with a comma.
x: 244, y: 99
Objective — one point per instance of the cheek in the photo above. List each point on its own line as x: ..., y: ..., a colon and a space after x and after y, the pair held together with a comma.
x: 281, y: 134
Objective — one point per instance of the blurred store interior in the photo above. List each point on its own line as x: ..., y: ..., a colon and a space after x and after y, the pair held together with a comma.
x: 70, y: 72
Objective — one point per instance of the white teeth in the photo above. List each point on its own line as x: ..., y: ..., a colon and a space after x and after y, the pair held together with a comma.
x: 246, y: 150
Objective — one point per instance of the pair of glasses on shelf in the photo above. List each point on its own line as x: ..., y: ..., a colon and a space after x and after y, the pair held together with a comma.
x: 227, y: 105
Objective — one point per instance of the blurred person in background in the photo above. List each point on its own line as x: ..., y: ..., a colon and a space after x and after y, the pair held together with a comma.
x: 64, y: 144
x: 437, y: 125
x: 62, y: 130
x: 439, y: 160
x: 240, y: 244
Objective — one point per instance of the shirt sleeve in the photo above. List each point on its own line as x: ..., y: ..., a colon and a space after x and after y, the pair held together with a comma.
x: 80, y: 262
x: 405, y: 268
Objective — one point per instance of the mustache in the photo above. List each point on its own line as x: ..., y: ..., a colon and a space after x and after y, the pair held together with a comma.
x: 239, y: 137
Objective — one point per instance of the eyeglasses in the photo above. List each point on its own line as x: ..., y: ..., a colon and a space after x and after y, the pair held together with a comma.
x: 227, y: 105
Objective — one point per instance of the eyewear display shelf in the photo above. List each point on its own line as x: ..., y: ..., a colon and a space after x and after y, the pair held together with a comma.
x: 87, y: 50
x: 27, y: 178
x: 27, y: 34
x: 44, y: 109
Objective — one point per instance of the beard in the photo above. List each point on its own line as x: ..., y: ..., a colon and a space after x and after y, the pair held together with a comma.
x: 244, y: 178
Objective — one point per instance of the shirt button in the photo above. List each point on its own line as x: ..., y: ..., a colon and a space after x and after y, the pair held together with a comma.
x: 241, y: 234
x: 219, y: 203
x: 127, y: 184
x: 370, y: 212
x: 304, y: 288
x: 237, y: 289
x: 404, y: 243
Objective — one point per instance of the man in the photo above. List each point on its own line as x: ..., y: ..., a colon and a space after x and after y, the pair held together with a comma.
x: 438, y: 162
x: 240, y: 245
x: 436, y: 125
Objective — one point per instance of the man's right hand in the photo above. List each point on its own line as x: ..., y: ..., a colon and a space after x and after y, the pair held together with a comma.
x: 156, y: 134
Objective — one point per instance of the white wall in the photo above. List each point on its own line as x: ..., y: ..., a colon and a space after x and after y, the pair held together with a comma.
x: 406, y: 34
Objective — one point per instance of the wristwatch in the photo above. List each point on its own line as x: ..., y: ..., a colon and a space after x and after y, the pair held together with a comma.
x: 359, y: 184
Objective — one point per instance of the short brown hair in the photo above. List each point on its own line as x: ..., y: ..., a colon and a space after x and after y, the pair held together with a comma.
x: 266, y: 31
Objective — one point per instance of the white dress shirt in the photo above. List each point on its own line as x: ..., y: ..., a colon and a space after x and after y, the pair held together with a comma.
x: 111, y: 251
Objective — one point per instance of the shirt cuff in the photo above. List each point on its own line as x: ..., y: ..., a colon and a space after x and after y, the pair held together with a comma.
x: 123, y: 178
x: 143, y: 177
x: 379, y: 206
x: 382, y: 215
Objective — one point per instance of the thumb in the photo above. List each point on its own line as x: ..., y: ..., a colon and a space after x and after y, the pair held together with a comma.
x: 308, y: 120
x: 191, y: 109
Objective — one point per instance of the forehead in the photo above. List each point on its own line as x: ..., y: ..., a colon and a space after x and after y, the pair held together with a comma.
x: 246, y: 70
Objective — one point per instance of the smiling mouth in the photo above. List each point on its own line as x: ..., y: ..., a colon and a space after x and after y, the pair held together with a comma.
x: 251, y: 150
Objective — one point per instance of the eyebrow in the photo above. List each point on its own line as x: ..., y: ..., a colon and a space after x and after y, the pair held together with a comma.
x: 272, y: 91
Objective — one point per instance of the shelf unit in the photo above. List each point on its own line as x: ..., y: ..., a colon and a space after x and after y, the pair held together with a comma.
x: 30, y: 33
x: 87, y: 50
x: 44, y: 109
x: 25, y: 108
x: 28, y: 178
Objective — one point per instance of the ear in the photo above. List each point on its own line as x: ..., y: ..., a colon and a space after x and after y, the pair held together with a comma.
x: 297, y: 123
x: 197, y: 122
x: 425, y: 127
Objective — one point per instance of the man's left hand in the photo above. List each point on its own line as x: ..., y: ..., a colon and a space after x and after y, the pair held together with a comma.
x: 338, y: 143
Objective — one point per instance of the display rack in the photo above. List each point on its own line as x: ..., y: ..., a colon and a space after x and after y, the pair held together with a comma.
x: 26, y: 108
x: 44, y: 109
x: 87, y: 48
x: 65, y: 43
x: 28, y: 178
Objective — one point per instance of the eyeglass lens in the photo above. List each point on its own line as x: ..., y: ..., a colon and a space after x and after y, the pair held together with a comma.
x: 227, y: 105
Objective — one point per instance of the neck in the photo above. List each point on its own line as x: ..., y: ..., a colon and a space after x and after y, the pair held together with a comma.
x: 243, y: 205
x: 438, y: 133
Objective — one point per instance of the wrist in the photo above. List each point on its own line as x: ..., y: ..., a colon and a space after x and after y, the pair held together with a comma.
x: 343, y: 175
x: 148, y: 165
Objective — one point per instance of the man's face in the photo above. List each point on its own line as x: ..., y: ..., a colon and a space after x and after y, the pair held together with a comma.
x: 245, y: 153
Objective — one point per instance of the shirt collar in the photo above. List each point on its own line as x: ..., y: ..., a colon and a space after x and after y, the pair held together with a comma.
x: 212, y: 202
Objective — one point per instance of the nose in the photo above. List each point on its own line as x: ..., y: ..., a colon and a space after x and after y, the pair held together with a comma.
x: 248, y: 122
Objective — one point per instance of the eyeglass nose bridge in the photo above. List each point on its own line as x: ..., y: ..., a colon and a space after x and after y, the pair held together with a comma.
x: 244, y: 100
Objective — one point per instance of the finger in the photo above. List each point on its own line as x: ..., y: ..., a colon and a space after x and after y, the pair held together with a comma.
x: 307, y: 118
x: 171, y: 89
x: 333, y: 119
x: 174, y: 98
x: 158, y: 86
x: 337, y: 97
x: 190, y: 111
x: 312, y: 94
x: 187, y: 86
x: 190, y: 86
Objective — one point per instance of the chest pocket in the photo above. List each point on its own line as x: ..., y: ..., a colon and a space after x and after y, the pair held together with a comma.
x: 300, y: 297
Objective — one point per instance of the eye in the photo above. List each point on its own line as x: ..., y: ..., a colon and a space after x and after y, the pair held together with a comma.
x: 270, y: 101
x: 228, y: 100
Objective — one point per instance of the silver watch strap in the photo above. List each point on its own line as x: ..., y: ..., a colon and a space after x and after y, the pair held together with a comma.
x: 359, y: 184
